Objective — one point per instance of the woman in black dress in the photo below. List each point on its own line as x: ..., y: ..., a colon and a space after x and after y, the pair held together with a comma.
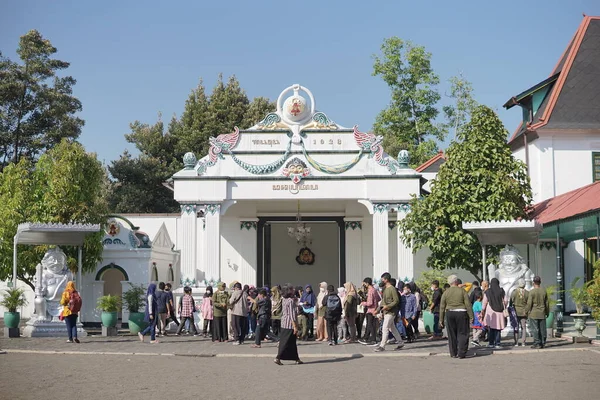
x: 289, y: 328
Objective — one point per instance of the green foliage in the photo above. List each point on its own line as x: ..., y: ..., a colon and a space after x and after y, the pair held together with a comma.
x: 64, y: 186
x: 579, y: 294
x: 593, y: 290
x: 480, y: 181
x: 37, y: 107
x: 408, y: 121
x: 109, y: 303
x: 13, y: 299
x: 424, y: 282
x: 138, y: 182
x: 134, y: 298
x: 459, y: 112
x: 551, y: 292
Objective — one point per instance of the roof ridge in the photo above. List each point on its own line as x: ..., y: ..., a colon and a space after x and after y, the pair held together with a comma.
x: 430, y: 162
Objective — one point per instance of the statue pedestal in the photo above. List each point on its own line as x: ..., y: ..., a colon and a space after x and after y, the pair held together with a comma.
x: 41, y: 328
x: 12, y: 332
x: 109, y: 330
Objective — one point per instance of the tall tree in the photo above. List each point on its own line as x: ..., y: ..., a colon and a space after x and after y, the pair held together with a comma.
x: 459, y: 111
x: 409, y: 120
x: 138, y: 182
x: 63, y: 186
x: 480, y: 181
x: 37, y: 107
x: 259, y: 107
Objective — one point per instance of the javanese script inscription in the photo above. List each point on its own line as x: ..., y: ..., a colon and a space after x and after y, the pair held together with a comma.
x: 261, y: 142
x: 294, y: 189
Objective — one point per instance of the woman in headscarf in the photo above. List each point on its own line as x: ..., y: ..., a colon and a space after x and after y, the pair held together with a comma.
x: 287, y: 349
x: 275, y: 311
x: 150, y: 314
x: 320, y: 311
x: 493, y: 312
x: 308, y: 302
x: 349, y: 304
x: 220, y: 300
x: 70, y: 310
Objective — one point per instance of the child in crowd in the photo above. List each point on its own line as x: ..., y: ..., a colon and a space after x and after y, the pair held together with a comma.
x: 207, y: 312
x: 477, y: 326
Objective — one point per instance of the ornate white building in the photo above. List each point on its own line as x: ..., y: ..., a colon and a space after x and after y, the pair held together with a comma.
x: 245, y: 206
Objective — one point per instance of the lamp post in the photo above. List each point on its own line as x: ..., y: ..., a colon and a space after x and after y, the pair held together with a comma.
x: 559, y: 305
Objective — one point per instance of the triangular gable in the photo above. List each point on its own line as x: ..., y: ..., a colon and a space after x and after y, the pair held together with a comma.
x: 162, y: 238
x: 433, y: 164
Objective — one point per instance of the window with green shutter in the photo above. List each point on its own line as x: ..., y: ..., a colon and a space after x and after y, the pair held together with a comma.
x: 596, y: 166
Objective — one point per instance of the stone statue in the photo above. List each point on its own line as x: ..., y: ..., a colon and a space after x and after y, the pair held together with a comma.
x: 52, y: 275
x: 512, y: 267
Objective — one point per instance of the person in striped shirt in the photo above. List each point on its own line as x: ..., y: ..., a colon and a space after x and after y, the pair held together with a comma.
x: 288, y: 350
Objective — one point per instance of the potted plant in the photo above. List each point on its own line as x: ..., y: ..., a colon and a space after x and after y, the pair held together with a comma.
x: 580, y: 297
x: 134, y: 299
x: 424, y: 283
x: 593, y: 301
x: 13, y: 298
x: 110, y: 306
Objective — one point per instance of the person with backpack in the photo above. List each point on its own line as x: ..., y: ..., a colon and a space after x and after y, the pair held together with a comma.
x: 71, y: 300
x: 186, y: 310
x: 162, y: 299
x: 333, y: 313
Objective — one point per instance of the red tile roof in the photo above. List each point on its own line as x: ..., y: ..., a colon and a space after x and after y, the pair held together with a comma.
x: 431, y: 161
x: 570, y: 204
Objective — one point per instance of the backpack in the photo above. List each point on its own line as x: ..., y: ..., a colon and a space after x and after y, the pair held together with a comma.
x: 334, y: 306
x: 75, y: 302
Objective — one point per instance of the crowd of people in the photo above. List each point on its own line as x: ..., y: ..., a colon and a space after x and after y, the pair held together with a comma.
x: 374, y: 314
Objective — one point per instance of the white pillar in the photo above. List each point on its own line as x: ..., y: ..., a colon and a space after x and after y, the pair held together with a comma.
x: 393, y: 246
x: 212, y: 242
x: 381, y: 251
x: 247, y: 250
x: 406, y: 265
x: 189, y: 221
x: 354, y: 254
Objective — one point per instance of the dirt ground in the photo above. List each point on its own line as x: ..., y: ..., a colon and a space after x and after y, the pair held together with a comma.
x: 556, y: 375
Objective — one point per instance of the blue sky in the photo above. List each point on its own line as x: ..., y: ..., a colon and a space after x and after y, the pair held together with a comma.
x: 134, y: 59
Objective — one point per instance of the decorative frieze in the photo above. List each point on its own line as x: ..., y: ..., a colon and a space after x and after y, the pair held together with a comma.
x: 392, y: 225
x: 380, y: 207
x: 188, y: 209
x: 212, y: 209
x: 248, y: 225
x: 353, y: 225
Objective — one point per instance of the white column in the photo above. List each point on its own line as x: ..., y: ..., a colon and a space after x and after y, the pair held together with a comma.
x: 247, y: 250
x: 125, y: 286
x: 212, y: 242
x: 381, y: 251
x: 354, y: 255
x: 189, y: 222
x: 406, y: 267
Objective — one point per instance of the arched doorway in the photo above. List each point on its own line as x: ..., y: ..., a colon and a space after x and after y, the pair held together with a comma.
x: 112, y: 275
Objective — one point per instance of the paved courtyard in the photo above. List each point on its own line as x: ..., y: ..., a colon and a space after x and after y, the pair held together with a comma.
x: 542, y: 375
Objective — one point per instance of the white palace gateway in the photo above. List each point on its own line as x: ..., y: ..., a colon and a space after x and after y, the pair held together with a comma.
x: 296, y: 198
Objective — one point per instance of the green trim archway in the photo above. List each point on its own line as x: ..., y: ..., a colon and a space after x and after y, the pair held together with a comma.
x: 111, y: 266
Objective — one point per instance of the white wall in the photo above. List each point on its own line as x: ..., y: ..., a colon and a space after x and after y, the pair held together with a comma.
x: 25, y: 311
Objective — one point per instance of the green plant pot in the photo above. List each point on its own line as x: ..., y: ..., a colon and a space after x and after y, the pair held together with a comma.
x: 136, y: 322
x: 109, y: 319
x: 550, y: 320
x: 12, y: 319
x: 428, y: 321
